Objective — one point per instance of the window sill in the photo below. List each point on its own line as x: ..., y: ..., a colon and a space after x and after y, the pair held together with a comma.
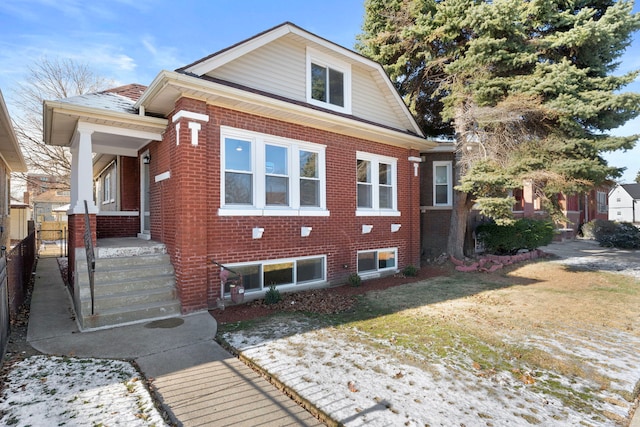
x: 371, y: 212
x: 272, y: 212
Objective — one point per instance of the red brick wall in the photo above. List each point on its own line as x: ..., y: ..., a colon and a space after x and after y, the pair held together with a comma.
x: 184, y: 208
x: 117, y: 226
x: 129, y: 184
x: 76, y: 239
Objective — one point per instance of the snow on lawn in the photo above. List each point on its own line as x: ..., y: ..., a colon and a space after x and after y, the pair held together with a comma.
x: 359, y: 381
x: 48, y: 391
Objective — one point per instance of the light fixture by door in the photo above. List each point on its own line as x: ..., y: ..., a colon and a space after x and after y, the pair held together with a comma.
x: 146, y: 159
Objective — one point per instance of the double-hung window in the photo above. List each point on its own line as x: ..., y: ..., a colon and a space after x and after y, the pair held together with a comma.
x: 442, y: 184
x: 602, y: 202
x: 268, y: 175
x: 376, y: 184
x: 106, y: 188
x: 328, y: 82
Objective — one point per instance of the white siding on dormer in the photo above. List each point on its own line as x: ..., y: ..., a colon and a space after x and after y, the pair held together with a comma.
x: 278, y: 68
x: 374, y: 102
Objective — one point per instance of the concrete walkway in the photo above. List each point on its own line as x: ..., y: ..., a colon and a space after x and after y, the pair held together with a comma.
x: 198, y: 382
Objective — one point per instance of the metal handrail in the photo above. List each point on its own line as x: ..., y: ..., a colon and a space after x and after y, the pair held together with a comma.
x: 224, y: 267
x: 91, y: 259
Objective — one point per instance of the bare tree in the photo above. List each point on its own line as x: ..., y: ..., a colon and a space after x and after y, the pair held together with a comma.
x: 49, y: 79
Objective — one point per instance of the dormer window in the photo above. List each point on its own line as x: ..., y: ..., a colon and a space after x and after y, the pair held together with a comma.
x: 327, y: 85
x: 328, y: 82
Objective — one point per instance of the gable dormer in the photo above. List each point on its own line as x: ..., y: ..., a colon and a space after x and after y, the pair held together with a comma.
x: 292, y: 64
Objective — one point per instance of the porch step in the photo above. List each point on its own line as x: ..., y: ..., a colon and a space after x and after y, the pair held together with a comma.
x: 130, y: 285
x: 106, y: 301
x: 129, y: 269
x: 130, y: 314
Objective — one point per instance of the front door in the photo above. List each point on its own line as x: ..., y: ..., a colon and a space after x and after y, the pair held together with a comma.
x: 145, y: 223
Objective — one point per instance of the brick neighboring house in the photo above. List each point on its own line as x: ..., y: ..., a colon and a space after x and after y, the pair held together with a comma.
x: 436, y: 203
x: 285, y: 157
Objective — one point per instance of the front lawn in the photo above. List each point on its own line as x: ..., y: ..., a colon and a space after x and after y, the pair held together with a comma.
x: 539, y: 344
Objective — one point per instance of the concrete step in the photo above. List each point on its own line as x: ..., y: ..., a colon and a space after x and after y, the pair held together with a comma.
x: 131, y: 269
x: 127, y: 285
x: 133, y: 298
x: 130, y: 314
x: 127, y: 262
x: 129, y: 251
x: 131, y: 284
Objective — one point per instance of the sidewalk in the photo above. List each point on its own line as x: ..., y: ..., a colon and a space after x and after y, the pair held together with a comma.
x: 198, y: 382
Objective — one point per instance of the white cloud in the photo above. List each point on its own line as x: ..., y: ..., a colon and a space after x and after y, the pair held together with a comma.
x: 162, y: 57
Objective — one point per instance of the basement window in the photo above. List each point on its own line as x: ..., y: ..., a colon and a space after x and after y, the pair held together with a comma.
x: 378, y: 260
x: 282, y: 273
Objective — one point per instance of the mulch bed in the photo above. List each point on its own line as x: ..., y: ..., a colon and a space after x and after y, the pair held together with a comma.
x: 322, y: 301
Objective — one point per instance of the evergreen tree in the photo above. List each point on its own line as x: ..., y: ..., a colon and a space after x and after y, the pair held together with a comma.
x: 526, y: 88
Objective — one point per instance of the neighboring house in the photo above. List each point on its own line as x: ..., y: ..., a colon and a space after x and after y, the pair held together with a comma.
x: 11, y: 271
x: 39, y: 183
x: 624, y: 203
x: 44, y: 205
x: 436, y: 203
x: 20, y: 217
x: 287, y: 158
x: 11, y: 160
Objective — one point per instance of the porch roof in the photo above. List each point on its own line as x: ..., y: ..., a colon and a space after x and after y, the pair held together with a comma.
x: 117, y: 126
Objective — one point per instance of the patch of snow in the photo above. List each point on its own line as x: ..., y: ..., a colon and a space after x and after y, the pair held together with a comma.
x: 364, y: 382
x: 45, y: 391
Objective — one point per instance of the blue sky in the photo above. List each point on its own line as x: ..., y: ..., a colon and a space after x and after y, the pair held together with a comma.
x: 130, y: 41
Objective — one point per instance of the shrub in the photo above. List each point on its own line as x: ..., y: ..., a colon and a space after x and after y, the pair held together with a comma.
x: 598, y: 228
x: 622, y: 235
x: 272, y: 296
x: 354, y: 280
x: 509, y: 239
x: 410, y: 271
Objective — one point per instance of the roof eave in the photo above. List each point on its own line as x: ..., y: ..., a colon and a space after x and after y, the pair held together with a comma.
x: 83, y: 113
x: 10, y: 152
x: 182, y: 84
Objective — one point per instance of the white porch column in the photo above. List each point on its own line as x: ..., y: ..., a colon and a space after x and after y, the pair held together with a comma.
x: 82, y: 172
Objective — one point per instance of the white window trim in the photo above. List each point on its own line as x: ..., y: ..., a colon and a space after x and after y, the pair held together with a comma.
x: 449, y: 166
x: 284, y: 287
x: 375, y: 202
x: 259, y: 207
x: 318, y: 58
x: 106, y: 190
x: 377, y: 271
x: 601, y: 202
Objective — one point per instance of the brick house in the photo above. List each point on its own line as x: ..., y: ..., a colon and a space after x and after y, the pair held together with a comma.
x: 287, y: 158
x: 436, y: 203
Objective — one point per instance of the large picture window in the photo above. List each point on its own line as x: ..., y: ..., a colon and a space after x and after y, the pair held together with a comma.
x: 259, y: 276
x: 376, y: 185
x: 268, y: 175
